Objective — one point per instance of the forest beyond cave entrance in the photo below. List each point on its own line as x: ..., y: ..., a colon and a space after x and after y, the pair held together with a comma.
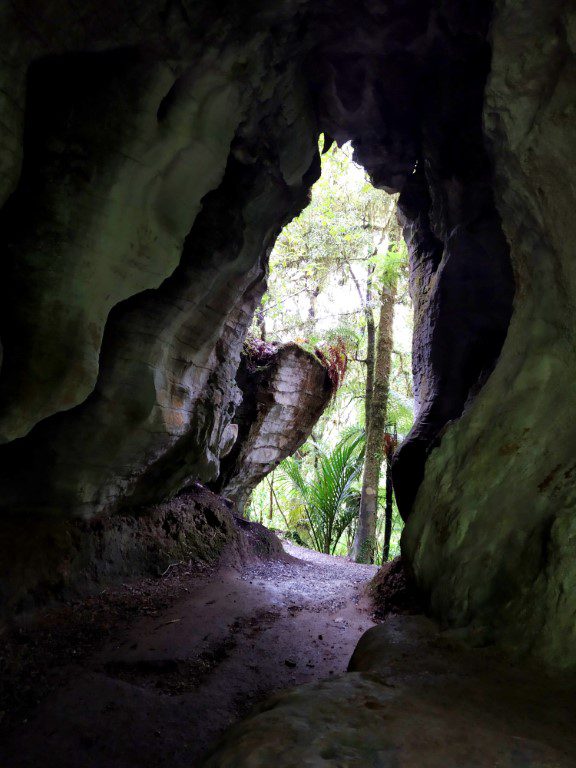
x: 338, y: 287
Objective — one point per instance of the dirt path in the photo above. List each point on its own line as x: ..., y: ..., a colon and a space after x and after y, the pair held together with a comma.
x: 170, y: 684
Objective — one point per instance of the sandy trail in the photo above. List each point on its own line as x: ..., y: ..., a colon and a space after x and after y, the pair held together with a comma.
x: 167, y: 686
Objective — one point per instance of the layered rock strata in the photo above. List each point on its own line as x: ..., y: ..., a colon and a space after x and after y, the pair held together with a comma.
x: 153, y: 155
x: 136, y: 242
x: 281, y: 402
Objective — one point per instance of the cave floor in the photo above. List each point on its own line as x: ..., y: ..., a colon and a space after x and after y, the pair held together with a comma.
x: 165, y: 685
x: 413, y: 697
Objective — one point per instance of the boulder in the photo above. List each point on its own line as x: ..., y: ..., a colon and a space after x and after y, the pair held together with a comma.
x: 413, y: 698
x: 282, y: 400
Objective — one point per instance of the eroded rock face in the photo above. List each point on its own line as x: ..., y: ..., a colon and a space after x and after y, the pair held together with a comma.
x: 151, y: 192
x: 462, y: 283
x: 491, y: 534
x: 281, y: 403
x: 152, y: 156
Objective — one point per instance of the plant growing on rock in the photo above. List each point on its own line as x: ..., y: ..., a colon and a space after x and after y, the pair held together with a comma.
x: 334, y: 358
x: 258, y: 353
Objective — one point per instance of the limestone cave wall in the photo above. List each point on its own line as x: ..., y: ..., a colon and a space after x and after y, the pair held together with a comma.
x: 158, y: 166
x: 491, y: 534
x: 150, y: 155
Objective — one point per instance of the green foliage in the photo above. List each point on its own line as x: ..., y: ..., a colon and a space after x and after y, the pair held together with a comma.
x: 325, y: 496
x: 391, y: 265
x: 328, y: 265
x: 400, y: 411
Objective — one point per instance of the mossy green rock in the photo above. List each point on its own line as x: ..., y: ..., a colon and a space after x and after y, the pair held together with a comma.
x: 413, y: 698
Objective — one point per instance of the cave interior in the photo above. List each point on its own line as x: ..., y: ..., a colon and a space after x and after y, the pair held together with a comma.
x: 151, y: 152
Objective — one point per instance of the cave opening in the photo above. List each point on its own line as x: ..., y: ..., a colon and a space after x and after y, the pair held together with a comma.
x: 330, y: 272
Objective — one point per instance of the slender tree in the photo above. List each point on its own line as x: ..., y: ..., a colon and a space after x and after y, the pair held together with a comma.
x: 261, y: 321
x: 363, y: 548
x: 366, y: 302
x: 391, y: 441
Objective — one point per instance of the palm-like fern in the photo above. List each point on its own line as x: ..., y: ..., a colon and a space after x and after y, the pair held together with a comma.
x: 325, y: 497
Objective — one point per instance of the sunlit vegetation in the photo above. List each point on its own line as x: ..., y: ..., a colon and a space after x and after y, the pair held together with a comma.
x: 326, y: 500
x: 331, y: 273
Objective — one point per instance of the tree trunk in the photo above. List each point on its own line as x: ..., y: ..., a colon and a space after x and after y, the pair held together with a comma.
x: 365, y: 540
x: 271, y: 508
x: 366, y: 300
x: 370, y: 350
x: 313, y: 294
x: 388, y: 509
x: 261, y: 321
